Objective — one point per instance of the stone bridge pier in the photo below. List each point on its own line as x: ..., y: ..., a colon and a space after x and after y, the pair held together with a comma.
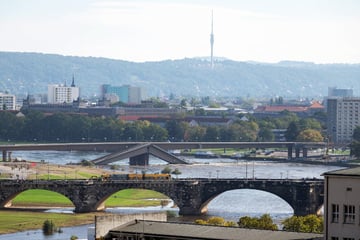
x: 298, y: 150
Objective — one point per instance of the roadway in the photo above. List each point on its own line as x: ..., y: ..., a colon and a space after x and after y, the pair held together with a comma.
x: 120, y: 146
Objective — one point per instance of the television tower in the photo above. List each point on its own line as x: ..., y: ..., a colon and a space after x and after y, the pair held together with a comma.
x: 212, y: 42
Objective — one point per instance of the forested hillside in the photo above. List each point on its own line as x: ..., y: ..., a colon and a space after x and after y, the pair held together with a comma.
x: 23, y: 73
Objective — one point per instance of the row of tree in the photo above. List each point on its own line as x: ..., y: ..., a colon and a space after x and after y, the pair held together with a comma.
x: 60, y: 127
x: 307, y: 224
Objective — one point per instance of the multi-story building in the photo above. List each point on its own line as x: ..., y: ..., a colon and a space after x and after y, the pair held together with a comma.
x: 342, y: 204
x: 62, y: 93
x: 340, y: 92
x: 343, y: 117
x: 126, y: 93
x: 7, y: 101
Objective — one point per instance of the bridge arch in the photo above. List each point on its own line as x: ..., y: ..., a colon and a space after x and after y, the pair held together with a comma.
x: 124, y: 194
x: 38, y: 197
x: 247, y: 201
x: 303, y: 195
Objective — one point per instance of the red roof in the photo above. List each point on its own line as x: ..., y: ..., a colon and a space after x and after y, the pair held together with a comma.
x: 283, y: 108
x: 316, y: 105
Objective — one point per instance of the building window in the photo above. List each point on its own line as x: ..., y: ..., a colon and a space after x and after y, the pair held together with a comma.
x: 348, y: 238
x: 335, y: 213
x: 349, y: 214
x: 334, y: 238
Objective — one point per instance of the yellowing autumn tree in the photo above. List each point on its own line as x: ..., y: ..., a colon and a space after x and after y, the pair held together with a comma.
x: 310, y: 135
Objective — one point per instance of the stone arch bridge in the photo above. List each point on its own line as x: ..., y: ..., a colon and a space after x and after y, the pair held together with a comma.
x: 305, y: 196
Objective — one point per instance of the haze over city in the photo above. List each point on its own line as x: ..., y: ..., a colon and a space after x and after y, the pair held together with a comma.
x: 322, y: 31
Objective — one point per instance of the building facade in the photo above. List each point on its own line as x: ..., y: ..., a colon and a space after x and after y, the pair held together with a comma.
x: 63, y: 94
x: 343, y: 117
x: 342, y: 204
x: 7, y: 101
x: 126, y: 93
x: 340, y: 92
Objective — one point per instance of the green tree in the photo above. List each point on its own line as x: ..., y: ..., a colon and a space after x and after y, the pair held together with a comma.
x: 48, y: 227
x: 264, y: 222
x: 153, y: 132
x: 176, y: 172
x: 310, y: 135
x: 265, y: 135
x: 166, y: 170
x: 215, y: 221
x: 356, y: 134
x: 194, y: 134
x: 292, y: 131
x: 212, y: 134
x: 309, y: 123
x: 176, y: 130
x: 309, y: 224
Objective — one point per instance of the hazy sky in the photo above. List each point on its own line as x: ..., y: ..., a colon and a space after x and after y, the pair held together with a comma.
x: 322, y: 31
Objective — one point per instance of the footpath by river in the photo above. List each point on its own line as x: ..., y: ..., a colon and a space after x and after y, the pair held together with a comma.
x: 230, y: 205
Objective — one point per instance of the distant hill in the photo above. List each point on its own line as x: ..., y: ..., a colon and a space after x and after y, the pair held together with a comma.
x: 23, y: 73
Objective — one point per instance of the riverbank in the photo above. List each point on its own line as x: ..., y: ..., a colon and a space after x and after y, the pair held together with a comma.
x: 15, y: 221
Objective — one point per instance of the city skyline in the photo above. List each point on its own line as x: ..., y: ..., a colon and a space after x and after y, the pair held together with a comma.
x: 323, y: 31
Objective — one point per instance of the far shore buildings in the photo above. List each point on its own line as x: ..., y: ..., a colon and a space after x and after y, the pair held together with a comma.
x: 58, y: 94
x: 125, y: 94
x: 302, y: 110
x: 343, y: 117
x: 7, y: 101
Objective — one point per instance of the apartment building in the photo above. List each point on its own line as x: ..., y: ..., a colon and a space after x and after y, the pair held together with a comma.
x: 126, y: 93
x: 7, y: 101
x: 62, y: 93
x: 343, y: 118
x: 342, y: 204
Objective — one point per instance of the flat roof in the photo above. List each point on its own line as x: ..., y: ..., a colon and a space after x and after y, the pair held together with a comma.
x: 195, y: 231
x: 354, y: 171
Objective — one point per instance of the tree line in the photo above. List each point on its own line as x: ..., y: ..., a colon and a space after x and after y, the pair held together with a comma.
x: 307, y: 224
x: 60, y: 127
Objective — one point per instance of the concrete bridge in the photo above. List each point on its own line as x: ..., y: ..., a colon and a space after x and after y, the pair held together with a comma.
x: 191, y: 196
x: 139, y: 152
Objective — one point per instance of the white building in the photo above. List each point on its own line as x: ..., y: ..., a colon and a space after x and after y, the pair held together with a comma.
x: 342, y: 204
x: 7, y: 101
x: 343, y: 118
x: 62, y: 93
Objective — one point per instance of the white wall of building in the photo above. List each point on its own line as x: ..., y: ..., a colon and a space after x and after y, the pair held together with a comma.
x: 62, y: 94
x: 8, y: 101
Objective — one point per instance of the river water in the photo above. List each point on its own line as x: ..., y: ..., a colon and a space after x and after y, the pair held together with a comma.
x: 230, y: 205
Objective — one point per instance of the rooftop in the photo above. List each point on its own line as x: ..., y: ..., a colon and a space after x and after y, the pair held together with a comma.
x: 194, y: 231
x: 355, y: 171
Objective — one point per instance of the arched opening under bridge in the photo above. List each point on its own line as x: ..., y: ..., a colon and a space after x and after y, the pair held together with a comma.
x: 135, y: 200
x: 233, y: 204
x: 40, y: 198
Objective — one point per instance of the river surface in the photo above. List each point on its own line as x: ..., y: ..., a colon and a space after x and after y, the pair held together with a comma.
x: 230, y: 205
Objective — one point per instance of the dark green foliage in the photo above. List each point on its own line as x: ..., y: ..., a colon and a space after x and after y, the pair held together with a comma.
x: 309, y: 224
x: 60, y: 127
x: 356, y: 134
x: 264, y: 222
x: 355, y: 148
x: 176, y: 172
x: 48, y: 227
x: 87, y: 163
x: 215, y: 221
x: 166, y: 170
